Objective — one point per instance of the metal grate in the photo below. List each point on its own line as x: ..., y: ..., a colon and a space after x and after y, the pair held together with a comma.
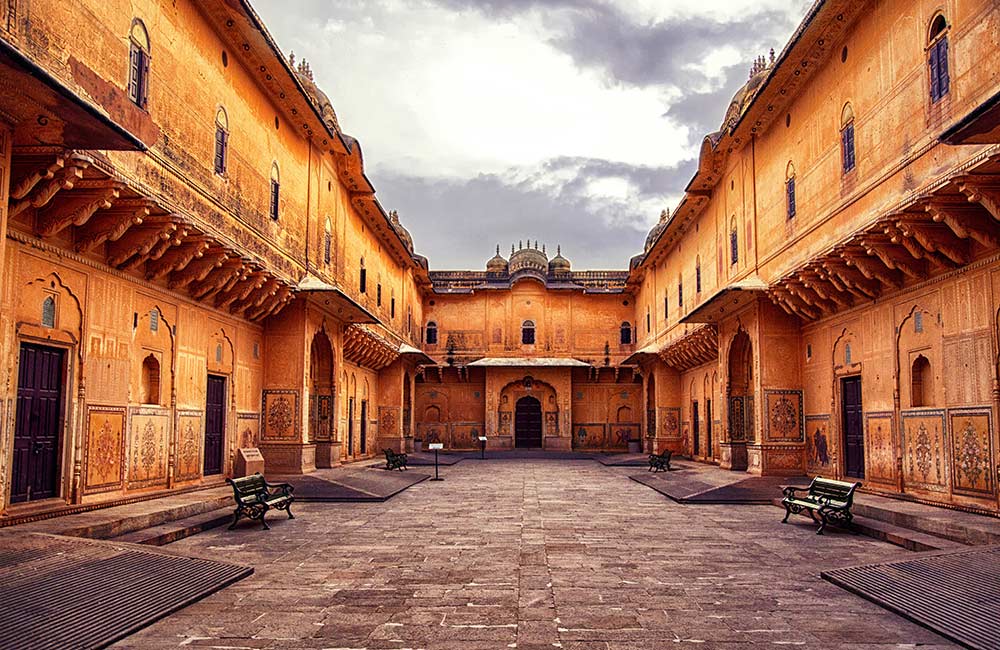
x: 89, y: 594
x: 956, y: 595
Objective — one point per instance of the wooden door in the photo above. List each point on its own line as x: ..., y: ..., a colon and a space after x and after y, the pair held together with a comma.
x: 215, y: 424
x: 708, y: 429
x: 364, y: 427
x: 853, y: 425
x: 696, y: 428
x: 528, y: 423
x: 350, y: 426
x: 40, y: 411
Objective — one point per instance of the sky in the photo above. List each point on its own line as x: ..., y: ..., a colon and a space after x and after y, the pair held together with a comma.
x: 569, y: 122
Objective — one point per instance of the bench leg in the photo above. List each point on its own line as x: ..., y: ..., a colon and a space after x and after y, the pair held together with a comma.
x: 822, y: 525
x: 288, y: 509
x: 788, y: 511
x: 236, y: 519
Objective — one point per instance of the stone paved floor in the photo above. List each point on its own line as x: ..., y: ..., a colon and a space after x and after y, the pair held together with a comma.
x: 534, y: 554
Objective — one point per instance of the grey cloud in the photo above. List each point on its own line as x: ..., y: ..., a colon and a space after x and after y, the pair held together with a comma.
x: 457, y: 223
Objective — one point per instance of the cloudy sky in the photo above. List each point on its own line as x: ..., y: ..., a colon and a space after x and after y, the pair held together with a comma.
x: 572, y: 122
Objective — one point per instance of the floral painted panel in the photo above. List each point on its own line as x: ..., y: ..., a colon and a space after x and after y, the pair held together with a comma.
x: 104, y: 454
x: 149, y: 431
x: 783, y: 418
x: 880, y: 453
x: 925, y: 449
x: 281, y: 414
x: 190, y: 435
x: 971, y: 451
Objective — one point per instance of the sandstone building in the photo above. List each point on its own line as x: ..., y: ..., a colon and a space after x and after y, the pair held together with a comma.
x: 195, y: 262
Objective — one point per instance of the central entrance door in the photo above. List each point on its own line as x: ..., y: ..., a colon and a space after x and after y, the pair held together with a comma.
x: 215, y: 424
x: 854, y: 438
x: 528, y: 423
x: 39, y: 421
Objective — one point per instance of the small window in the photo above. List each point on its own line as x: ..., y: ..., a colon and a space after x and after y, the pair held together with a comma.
x: 154, y: 320
x: 790, y: 191
x: 363, y: 278
x: 528, y: 333
x: 138, y: 68
x: 734, y: 243
x: 432, y: 333
x: 378, y: 295
x: 221, y: 141
x: 49, y: 312
x: 937, y: 59
x: 626, y: 333
x: 680, y: 292
x: 921, y: 382
x: 666, y: 304
x: 697, y: 274
x: 275, y: 190
x: 918, y: 322
x: 847, y: 138
x: 150, y: 380
x: 848, y: 360
x: 392, y: 307
x: 648, y: 322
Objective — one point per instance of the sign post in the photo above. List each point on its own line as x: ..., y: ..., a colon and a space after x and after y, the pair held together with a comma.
x: 482, y: 447
x: 436, y: 446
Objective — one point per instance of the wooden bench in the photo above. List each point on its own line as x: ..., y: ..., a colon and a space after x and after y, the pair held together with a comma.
x: 394, y: 460
x: 830, y: 499
x: 254, y: 497
x: 660, y: 462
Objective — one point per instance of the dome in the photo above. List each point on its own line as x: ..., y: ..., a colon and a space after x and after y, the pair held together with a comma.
x: 497, y: 263
x: 403, y: 233
x: 657, y: 229
x: 559, y: 263
x: 743, y: 97
x: 529, y: 259
x: 319, y: 98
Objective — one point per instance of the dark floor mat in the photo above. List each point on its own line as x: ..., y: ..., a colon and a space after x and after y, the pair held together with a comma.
x: 86, y: 594
x: 623, y: 460
x: 752, y: 491
x: 956, y: 595
x: 352, y: 487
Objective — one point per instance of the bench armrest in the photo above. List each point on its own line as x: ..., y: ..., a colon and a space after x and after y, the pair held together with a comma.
x: 286, y: 488
x: 790, y: 490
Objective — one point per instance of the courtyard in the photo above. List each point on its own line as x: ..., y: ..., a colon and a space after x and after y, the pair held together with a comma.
x: 534, y: 553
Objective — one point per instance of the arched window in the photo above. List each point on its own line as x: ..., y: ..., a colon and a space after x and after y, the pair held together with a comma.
x: 49, y: 312
x: 221, y: 140
x: 528, y: 332
x: 680, y: 291
x: 648, y: 321
x: 697, y: 274
x: 847, y: 137
x: 363, y: 278
x: 378, y: 294
x: 937, y: 58
x: 327, y: 239
x: 666, y: 304
x: 138, y: 67
x: 626, y: 333
x: 432, y: 333
x: 392, y: 307
x: 275, y: 190
x: 150, y: 380
x: 734, y: 242
x: 921, y: 382
x: 790, y: 189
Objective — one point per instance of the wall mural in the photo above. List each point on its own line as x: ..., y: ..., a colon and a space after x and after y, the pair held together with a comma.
x: 280, y: 409
x: 104, y: 451
x: 552, y: 423
x: 190, y: 434
x: 880, y: 453
x: 924, y: 444
x: 784, y: 416
x: 972, y: 453
x: 670, y: 418
x: 248, y: 430
x: 819, y: 451
x: 148, y: 432
x: 388, y: 420
x: 505, y: 423
x: 589, y: 436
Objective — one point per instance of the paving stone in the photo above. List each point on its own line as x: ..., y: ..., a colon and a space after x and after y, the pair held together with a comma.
x: 528, y: 554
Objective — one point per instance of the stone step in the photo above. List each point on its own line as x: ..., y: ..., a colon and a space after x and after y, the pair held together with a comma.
x: 167, y: 533
x: 911, y: 540
x: 955, y: 525
x: 111, y: 524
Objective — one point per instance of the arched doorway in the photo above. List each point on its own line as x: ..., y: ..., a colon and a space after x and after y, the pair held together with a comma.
x: 320, y: 388
x: 528, y: 423
x: 740, y: 396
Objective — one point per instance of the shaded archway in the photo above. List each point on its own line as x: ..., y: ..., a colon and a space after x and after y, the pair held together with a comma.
x: 528, y: 423
x: 321, y: 390
x: 740, y: 394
